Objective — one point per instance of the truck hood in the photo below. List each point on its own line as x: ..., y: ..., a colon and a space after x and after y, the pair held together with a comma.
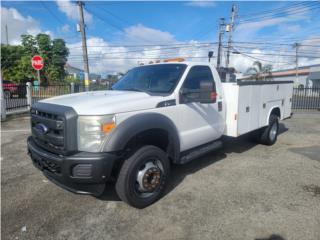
x: 106, y: 102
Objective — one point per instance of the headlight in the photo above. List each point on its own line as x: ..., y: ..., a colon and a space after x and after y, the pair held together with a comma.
x: 93, y: 130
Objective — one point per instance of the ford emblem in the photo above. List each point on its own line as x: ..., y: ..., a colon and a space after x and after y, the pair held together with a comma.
x: 42, y: 128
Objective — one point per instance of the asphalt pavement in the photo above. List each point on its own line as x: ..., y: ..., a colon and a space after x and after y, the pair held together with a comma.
x: 243, y: 191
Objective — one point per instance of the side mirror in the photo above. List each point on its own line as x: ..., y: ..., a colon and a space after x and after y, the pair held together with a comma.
x: 185, y: 96
x: 207, y: 93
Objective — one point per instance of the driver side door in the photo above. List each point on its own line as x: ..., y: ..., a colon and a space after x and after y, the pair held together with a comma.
x: 200, y: 120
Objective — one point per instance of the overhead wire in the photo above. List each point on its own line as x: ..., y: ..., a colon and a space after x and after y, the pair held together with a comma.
x: 289, y: 11
x: 257, y: 58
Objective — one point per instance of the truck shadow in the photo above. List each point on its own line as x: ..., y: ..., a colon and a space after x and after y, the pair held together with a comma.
x: 230, y: 145
x: 109, y: 193
x: 272, y: 237
x: 179, y: 172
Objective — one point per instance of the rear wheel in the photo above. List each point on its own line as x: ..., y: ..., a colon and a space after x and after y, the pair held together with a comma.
x: 269, y: 134
x: 143, y: 177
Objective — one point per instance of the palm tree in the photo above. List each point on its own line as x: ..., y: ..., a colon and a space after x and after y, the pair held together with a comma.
x: 259, y: 71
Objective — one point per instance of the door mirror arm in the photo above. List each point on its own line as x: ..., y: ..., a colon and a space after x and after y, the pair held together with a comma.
x: 184, y: 96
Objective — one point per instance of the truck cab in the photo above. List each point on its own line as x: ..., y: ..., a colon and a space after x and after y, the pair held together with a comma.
x: 156, y: 115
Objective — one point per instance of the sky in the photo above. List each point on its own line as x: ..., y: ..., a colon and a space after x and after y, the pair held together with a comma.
x: 121, y: 34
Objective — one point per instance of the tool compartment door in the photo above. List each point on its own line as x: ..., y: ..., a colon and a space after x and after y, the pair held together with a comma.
x: 249, y: 108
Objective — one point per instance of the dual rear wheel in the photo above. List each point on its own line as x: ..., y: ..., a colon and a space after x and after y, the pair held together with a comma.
x: 268, y: 135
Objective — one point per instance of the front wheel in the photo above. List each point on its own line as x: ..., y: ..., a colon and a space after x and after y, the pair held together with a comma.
x: 143, y: 177
x: 270, y: 133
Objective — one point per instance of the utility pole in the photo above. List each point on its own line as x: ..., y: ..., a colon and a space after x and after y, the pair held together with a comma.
x: 7, y: 38
x: 297, y: 45
x: 230, y: 30
x: 221, y: 32
x: 3, y: 103
x: 84, y: 45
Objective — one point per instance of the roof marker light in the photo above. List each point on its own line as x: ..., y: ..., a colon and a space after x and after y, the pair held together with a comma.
x: 174, y: 60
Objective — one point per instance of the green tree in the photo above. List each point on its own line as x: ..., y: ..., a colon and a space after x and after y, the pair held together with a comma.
x: 258, y: 71
x: 58, y: 60
x: 29, y: 44
x: 15, y: 66
x: 23, y: 71
x: 71, y: 78
x: 16, y: 60
x: 44, y: 45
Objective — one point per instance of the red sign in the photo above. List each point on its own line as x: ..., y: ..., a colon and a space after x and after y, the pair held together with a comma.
x: 37, y: 62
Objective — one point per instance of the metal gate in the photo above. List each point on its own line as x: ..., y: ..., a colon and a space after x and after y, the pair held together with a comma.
x: 15, y: 97
x: 306, y: 99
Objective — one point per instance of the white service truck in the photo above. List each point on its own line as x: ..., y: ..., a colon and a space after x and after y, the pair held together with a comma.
x: 156, y: 115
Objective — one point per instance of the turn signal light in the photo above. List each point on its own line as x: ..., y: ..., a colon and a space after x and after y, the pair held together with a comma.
x: 107, y: 127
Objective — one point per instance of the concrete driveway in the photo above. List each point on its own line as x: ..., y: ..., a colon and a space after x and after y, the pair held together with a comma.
x: 243, y: 191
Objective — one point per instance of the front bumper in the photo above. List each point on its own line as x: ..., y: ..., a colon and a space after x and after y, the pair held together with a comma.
x: 83, y: 172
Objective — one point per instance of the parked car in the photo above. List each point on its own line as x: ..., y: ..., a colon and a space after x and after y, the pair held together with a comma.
x: 11, y: 89
x: 156, y: 115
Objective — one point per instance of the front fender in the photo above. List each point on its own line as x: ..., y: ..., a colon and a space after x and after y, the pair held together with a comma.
x: 136, y: 124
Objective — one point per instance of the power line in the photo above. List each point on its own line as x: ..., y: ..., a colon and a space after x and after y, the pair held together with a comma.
x: 152, y: 50
x: 274, y: 49
x: 114, y: 25
x: 115, y: 16
x: 148, y: 45
x: 287, y: 12
x: 104, y: 20
x: 281, y: 55
x: 142, y: 58
x: 279, y: 44
x: 195, y: 44
x: 271, y: 10
x: 172, y: 51
x: 58, y: 20
x: 51, y: 12
x: 256, y: 58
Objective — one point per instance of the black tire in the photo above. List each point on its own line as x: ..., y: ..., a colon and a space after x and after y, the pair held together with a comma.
x: 269, y: 134
x: 127, y: 184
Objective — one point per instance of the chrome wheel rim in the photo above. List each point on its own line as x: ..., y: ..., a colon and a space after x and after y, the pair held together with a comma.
x: 273, y: 131
x: 149, y: 177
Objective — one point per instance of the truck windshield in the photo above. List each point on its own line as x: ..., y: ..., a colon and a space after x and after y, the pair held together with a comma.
x: 160, y: 78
